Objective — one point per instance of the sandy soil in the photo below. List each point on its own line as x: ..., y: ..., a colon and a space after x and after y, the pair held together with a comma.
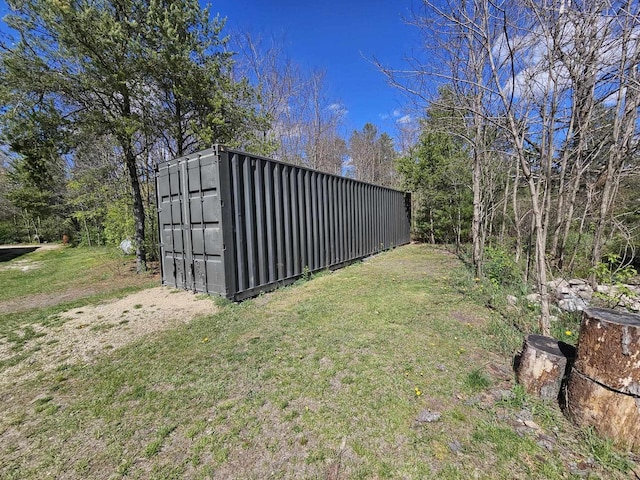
x: 84, y: 333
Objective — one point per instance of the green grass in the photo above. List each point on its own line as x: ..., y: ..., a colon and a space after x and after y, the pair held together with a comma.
x: 65, y: 279
x: 60, y: 270
x: 283, y: 381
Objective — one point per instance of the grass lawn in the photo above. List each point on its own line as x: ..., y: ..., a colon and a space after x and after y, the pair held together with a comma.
x: 331, y: 378
x: 64, y: 270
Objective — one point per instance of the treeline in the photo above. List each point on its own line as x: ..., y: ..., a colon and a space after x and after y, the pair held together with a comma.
x: 531, y: 143
x: 93, y: 94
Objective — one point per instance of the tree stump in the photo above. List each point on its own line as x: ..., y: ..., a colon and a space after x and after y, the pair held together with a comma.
x: 542, y: 365
x: 612, y: 414
x: 609, y: 349
x: 604, y: 386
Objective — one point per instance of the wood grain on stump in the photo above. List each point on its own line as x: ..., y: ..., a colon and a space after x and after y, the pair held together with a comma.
x: 612, y: 414
x: 609, y: 349
x: 542, y: 365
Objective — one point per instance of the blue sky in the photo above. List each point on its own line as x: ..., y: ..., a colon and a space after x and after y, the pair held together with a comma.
x: 340, y: 37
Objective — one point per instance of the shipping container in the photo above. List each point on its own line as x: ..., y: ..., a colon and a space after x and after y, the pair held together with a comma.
x: 237, y: 224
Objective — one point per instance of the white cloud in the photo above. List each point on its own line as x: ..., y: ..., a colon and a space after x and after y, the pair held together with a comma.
x: 611, y: 100
x: 535, y: 76
x: 396, y: 113
x: 338, y: 109
x: 404, y: 120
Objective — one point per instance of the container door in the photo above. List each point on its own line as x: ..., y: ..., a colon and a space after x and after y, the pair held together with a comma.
x: 203, y: 215
x: 171, y: 216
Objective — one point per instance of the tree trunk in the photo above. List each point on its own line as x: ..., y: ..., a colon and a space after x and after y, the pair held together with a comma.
x: 583, y: 220
x: 138, y: 209
x: 516, y: 216
x: 503, y: 223
x: 431, y: 227
x: 560, y: 251
x: 138, y: 203
x: 601, y: 222
x: 476, y: 226
x: 609, y: 349
x: 86, y: 229
x: 542, y: 365
x: 604, y: 386
x: 612, y: 414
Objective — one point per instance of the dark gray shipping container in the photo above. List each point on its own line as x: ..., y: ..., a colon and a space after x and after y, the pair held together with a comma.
x: 237, y: 224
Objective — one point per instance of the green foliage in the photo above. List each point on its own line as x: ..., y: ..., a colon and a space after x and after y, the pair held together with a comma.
x: 581, y: 243
x: 143, y: 74
x: 567, y: 327
x: 476, y: 380
x: 119, y: 223
x: 38, y: 197
x: 500, y: 267
x: 604, y: 452
x: 438, y: 175
x: 10, y: 232
x: 611, y: 271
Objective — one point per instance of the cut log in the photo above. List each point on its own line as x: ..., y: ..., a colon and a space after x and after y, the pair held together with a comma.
x: 609, y: 349
x: 612, y: 414
x: 542, y: 365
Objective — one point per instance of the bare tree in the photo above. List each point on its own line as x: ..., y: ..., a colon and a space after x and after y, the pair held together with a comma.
x: 373, y: 156
x: 622, y: 59
x: 304, y: 123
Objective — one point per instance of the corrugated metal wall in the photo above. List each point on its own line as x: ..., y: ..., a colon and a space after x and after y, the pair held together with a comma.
x: 237, y: 224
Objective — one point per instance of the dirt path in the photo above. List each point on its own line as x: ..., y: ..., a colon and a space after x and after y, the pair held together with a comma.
x: 89, y: 331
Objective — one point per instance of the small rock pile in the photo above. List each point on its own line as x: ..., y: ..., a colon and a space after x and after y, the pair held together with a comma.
x: 571, y: 295
x: 575, y: 295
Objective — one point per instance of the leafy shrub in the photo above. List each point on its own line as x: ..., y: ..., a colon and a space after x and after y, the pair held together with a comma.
x: 10, y: 232
x: 611, y: 271
x: 119, y: 223
x: 500, y: 267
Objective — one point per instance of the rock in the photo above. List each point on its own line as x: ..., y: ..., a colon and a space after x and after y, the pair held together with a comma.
x: 427, y: 416
x: 126, y: 246
x: 559, y: 288
x: 563, y: 290
x: 471, y: 401
x: 441, y: 367
x: 502, y: 395
x: 455, y: 446
x: 523, y: 415
x: 572, y: 304
x: 552, y: 284
x: 533, y: 298
x: 512, y: 300
x: 576, y: 282
x: 585, y: 294
x: 545, y: 441
x: 532, y: 425
x: 581, y: 469
x: 606, y: 289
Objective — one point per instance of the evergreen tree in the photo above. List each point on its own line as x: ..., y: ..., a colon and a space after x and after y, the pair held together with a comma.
x: 133, y: 70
